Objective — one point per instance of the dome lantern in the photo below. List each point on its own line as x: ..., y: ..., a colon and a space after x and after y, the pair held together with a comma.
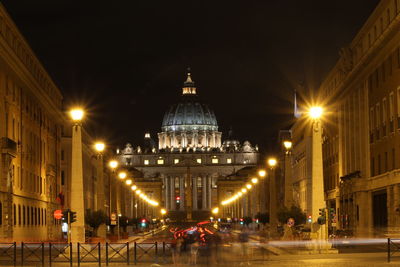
x: 188, y: 86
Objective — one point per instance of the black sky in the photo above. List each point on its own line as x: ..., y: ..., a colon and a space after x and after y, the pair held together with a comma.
x: 126, y: 60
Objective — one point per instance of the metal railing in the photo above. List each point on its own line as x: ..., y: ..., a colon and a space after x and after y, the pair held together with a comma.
x: 52, y: 253
x: 393, y: 246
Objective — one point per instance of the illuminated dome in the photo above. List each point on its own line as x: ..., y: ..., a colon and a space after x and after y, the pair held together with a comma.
x: 189, y: 123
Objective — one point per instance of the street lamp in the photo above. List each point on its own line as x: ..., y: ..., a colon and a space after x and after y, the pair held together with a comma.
x: 113, y: 164
x: 272, y: 162
x: 122, y: 175
x: 254, y: 180
x: 215, y: 211
x: 128, y: 182
x: 287, y: 144
x: 77, y: 188
x: 133, y: 187
x: 317, y: 179
x: 262, y: 173
x: 99, y: 147
x: 163, y: 211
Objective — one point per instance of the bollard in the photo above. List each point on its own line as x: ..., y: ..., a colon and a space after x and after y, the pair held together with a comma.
x: 99, y: 253
x: 15, y: 254
x: 42, y: 254
x: 388, y: 249
x: 106, y: 253
x: 79, y: 254
x: 134, y: 252
x: 22, y: 253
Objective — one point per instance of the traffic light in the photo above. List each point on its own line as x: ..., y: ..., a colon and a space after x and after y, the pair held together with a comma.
x: 72, y: 216
x: 322, y: 216
x: 143, y: 222
x: 331, y: 214
x: 64, y: 217
x: 178, y: 199
x: 241, y: 221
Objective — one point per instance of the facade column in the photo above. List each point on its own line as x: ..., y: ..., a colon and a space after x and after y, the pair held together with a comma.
x: 166, y: 192
x: 204, y: 193
x: 396, y: 204
x: 182, y: 193
x: 209, y: 192
x: 194, y: 193
x: 172, y: 193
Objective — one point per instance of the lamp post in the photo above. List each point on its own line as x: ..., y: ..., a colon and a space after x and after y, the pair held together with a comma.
x: 77, y: 194
x: 99, y: 147
x: 273, y: 221
x: 319, y: 232
x: 113, y: 164
x: 262, y: 203
x: 288, y: 173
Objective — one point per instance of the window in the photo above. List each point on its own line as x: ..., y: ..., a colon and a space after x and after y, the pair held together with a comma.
x: 176, y: 161
x: 372, y: 167
x: 391, y: 106
x: 214, y: 161
x: 229, y: 161
x: 146, y: 162
x: 372, y: 119
x: 23, y: 215
x: 386, y: 162
x: 62, y: 154
x: 393, y: 158
x: 198, y: 161
x: 1, y: 213
x: 377, y: 113
x: 384, y: 110
x: 15, y: 214
x: 19, y: 214
x: 160, y: 161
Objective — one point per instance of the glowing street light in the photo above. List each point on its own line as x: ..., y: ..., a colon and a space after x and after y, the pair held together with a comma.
x: 254, y: 180
x: 262, y: 173
x: 76, y: 114
x: 128, y: 182
x: 315, y: 112
x: 99, y: 146
x: 215, y: 210
x: 272, y: 162
x: 113, y: 164
x: 163, y: 211
x: 287, y: 144
x: 248, y: 186
x: 122, y: 175
x: 244, y: 190
x: 133, y: 187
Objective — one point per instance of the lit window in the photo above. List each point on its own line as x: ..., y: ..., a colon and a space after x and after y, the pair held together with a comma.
x: 214, y: 161
x: 176, y: 161
x: 198, y: 160
x: 146, y: 162
x: 160, y: 161
x: 229, y: 161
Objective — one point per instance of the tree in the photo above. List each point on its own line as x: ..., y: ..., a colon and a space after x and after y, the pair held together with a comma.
x: 262, y: 218
x: 94, y: 219
x: 294, y: 212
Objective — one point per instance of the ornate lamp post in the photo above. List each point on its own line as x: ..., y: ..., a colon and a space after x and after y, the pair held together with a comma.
x: 77, y: 194
x: 273, y: 219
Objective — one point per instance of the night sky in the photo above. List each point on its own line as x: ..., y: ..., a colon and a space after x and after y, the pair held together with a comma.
x: 125, y: 61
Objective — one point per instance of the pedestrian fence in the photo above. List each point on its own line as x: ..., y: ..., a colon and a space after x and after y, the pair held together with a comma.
x: 51, y: 253
x: 393, y: 246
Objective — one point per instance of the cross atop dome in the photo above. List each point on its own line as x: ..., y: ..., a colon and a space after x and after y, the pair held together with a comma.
x: 188, y: 86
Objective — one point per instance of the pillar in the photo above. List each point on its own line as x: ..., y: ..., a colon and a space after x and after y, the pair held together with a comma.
x: 172, y: 193
x: 204, y: 193
x: 77, y: 194
x: 102, y: 230
x: 166, y: 192
x: 182, y: 193
x: 288, y: 180
x: 194, y: 193
x: 209, y: 192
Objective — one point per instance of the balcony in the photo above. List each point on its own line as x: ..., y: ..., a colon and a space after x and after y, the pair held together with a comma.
x: 8, y: 146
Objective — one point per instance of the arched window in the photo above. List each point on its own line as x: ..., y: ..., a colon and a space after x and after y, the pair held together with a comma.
x: 28, y: 221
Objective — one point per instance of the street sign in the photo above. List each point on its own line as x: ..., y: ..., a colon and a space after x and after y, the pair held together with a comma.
x: 113, y: 216
x: 113, y: 223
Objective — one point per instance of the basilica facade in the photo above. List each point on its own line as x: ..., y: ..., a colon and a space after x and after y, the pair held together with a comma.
x: 190, y: 158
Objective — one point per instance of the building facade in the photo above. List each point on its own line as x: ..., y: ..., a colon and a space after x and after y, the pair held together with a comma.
x: 361, y: 138
x: 190, y: 157
x: 30, y: 132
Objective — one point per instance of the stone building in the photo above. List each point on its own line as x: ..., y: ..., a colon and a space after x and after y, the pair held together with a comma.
x: 361, y: 139
x: 190, y: 158
x: 30, y: 132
